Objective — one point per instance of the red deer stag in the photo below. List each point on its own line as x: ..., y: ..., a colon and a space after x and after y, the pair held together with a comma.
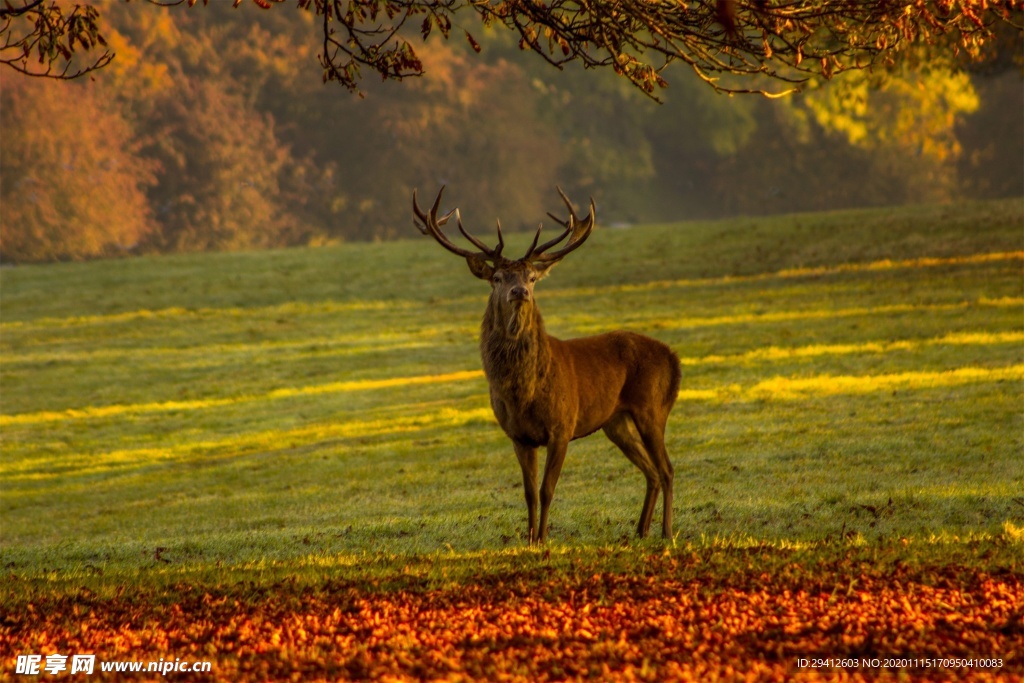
x: 548, y: 392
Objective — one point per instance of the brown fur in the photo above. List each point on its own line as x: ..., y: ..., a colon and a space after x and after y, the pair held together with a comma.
x: 548, y: 392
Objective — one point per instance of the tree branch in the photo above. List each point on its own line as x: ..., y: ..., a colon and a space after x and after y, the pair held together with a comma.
x: 784, y: 41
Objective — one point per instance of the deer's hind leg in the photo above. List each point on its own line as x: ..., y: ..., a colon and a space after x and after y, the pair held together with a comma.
x: 623, y: 432
x: 653, y: 433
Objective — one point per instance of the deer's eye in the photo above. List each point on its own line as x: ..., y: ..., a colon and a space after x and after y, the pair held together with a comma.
x: 533, y: 278
x: 496, y: 277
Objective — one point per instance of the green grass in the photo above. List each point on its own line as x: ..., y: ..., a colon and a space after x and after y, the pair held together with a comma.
x: 194, y: 403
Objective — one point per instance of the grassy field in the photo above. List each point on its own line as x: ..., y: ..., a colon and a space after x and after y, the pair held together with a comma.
x: 852, y: 384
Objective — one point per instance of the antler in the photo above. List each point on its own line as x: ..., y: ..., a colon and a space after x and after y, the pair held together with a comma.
x: 432, y: 226
x: 578, y: 233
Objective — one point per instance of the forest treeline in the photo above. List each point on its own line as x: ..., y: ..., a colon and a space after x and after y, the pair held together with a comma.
x: 212, y: 131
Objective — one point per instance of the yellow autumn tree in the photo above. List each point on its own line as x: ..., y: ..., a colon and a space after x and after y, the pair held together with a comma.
x: 907, y: 120
x: 71, y: 184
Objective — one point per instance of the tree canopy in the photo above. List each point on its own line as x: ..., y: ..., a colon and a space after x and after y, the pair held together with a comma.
x: 212, y: 129
x: 776, y: 44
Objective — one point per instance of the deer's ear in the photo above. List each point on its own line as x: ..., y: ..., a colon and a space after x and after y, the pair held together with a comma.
x: 479, y: 267
x: 542, y: 268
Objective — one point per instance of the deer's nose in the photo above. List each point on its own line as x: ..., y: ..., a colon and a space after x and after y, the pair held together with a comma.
x: 519, y: 294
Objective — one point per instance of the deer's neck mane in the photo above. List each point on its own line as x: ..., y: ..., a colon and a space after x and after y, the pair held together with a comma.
x: 515, y: 351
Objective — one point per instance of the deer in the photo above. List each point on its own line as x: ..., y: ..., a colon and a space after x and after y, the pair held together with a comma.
x: 546, y: 391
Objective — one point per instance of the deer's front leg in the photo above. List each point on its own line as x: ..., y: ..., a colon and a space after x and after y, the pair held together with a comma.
x: 528, y: 462
x: 552, y: 468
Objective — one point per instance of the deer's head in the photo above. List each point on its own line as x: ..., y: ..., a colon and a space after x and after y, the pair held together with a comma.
x: 511, y: 280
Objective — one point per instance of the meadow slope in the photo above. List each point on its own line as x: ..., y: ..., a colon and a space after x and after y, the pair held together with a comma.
x: 239, y: 424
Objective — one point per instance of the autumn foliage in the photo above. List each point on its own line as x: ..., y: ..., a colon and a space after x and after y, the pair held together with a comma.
x: 789, y: 42
x: 211, y: 129
x: 74, y: 185
x: 670, y: 621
